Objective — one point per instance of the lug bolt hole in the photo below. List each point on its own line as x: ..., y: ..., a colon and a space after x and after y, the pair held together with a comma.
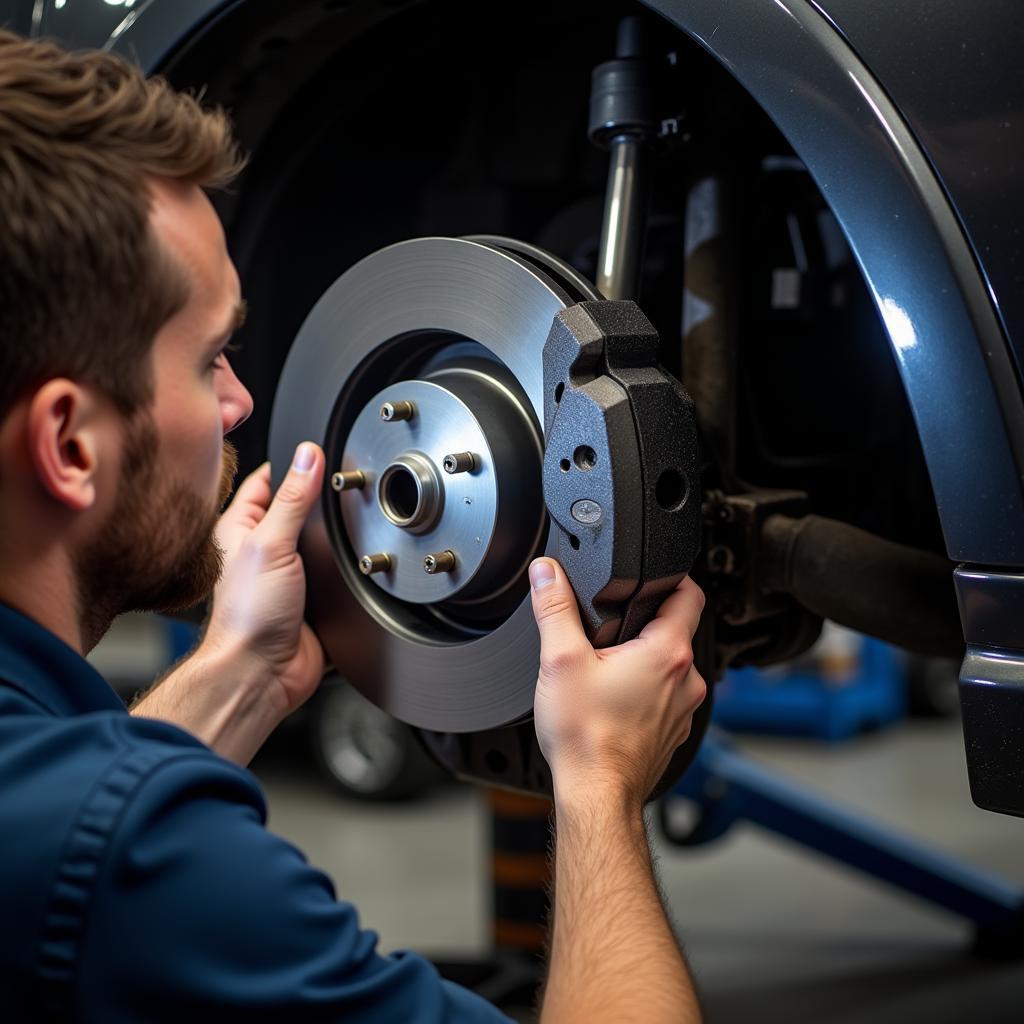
x: 585, y: 457
x: 565, y: 465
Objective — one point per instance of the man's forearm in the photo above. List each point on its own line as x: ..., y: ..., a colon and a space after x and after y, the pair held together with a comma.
x: 613, y: 955
x: 226, y: 699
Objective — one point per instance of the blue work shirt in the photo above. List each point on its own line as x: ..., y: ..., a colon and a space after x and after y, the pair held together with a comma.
x: 139, y: 883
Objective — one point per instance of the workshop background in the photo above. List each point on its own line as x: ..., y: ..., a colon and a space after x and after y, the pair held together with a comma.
x: 775, y: 930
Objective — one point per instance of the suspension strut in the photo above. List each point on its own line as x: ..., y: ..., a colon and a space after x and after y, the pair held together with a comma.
x: 623, y: 121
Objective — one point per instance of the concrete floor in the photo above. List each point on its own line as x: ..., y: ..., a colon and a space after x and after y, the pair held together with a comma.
x: 773, y: 932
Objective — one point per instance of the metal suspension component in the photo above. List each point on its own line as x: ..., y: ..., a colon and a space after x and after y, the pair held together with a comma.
x: 709, y: 319
x: 622, y: 120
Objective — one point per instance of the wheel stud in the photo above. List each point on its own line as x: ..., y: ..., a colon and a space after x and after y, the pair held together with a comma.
x: 348, y: 481
x: 460, y: 462
x: 443, y: 561
x: 369, y: 564
x: 391, y: 412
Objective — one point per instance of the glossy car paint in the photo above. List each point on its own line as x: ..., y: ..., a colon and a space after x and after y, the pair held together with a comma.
x: 956, y: 79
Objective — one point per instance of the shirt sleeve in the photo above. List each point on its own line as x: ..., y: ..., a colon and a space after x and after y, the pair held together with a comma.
x: 199, y: 908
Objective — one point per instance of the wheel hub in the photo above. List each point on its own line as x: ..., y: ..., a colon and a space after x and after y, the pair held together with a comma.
x: 443, y: 487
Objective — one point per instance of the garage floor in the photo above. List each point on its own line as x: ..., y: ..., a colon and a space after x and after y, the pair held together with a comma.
x: 773, y: 933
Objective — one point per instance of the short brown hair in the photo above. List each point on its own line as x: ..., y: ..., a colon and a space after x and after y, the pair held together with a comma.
x: 84, y: 284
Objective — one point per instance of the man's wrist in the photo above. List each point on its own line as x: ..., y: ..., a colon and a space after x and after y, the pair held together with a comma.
x: 596, y: 794
x: 223, y: 694
x: 240, y: 678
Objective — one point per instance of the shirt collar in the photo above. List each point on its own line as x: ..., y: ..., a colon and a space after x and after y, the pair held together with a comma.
x: 41, y: 665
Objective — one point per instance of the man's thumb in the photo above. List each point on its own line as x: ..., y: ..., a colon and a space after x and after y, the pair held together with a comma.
x: 296, y: 495
x: 554, y: 605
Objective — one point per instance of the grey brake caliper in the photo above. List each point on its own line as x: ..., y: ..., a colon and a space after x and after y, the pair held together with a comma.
x: 621, y: 466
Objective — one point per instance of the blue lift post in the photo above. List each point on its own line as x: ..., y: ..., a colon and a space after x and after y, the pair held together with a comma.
x: 728, y: 786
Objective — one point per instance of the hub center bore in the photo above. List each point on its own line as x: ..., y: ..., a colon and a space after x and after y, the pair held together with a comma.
x: 409, y: 494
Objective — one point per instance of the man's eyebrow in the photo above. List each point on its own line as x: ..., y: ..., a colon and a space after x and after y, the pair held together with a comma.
x: 237, y: 320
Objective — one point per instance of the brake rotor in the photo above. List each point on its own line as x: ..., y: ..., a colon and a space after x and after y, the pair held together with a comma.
x: 420, y: 372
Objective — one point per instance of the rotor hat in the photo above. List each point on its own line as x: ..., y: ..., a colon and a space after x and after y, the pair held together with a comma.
x: 413, y: 507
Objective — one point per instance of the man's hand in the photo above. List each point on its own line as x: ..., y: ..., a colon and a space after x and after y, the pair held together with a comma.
x: 613, y: 717
x: 259, y: 603
x: 258, y: 660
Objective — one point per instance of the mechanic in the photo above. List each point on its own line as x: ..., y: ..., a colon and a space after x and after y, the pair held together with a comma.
x: 139, y: 882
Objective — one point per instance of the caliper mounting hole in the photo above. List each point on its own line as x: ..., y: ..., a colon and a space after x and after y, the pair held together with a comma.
x: 585, y: 457
x: 670, y: 490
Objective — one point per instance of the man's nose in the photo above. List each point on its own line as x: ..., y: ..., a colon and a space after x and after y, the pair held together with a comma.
x: 235, y: 402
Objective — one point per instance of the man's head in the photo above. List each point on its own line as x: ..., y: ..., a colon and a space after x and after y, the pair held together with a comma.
x: 117, y: 298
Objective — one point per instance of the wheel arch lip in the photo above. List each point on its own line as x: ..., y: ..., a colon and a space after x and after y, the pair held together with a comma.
x: 950, y: 349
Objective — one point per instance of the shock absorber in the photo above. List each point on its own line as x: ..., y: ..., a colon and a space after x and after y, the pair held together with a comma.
x: 623, y: 121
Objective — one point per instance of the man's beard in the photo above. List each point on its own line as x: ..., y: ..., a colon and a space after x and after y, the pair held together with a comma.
x: 157, y: 550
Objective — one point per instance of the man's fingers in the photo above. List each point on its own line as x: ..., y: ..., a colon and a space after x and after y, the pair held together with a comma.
x: 295, y: 497
x: 678, y: 615
x: 557, y: 614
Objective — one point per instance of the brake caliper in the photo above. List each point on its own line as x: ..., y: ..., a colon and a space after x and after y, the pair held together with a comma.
x: 621, y: 466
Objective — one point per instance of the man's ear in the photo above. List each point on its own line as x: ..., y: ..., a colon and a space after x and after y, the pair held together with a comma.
x: 65, y: 434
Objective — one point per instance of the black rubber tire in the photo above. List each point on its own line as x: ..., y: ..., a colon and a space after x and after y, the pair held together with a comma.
x: 362, y: 751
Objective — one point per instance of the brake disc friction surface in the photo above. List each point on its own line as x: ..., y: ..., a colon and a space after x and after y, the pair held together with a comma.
x: 441, y: 310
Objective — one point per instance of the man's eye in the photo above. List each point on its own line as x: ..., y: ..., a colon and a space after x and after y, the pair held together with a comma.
x: 221, y: 357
